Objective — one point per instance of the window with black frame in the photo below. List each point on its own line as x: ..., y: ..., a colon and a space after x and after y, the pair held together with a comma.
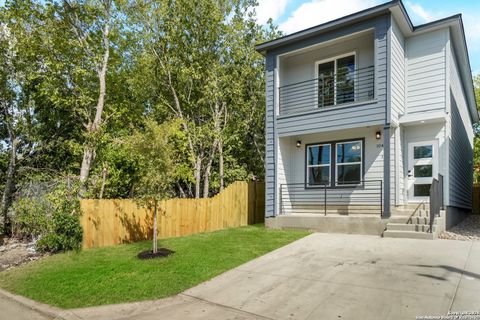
x: 318, y: 164
x: 342, y: 168
x: 336, y: 81
x: 345, y: 80
x: 349, y: 162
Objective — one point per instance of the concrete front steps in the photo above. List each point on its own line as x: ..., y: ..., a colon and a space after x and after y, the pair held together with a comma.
x: 414, y: 222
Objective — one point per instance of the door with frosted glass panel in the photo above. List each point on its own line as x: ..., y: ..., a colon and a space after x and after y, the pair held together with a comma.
x: 422, y: 168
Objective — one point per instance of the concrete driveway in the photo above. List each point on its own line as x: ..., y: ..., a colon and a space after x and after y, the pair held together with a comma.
x: 331, y: 276
x: 328, y: 276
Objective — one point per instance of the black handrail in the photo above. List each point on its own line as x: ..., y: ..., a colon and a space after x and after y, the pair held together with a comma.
x: 436, y: 199
x: 364, y: 196
x: 345, y: 86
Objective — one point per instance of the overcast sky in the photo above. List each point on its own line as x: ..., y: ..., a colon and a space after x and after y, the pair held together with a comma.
x: 295, y: 15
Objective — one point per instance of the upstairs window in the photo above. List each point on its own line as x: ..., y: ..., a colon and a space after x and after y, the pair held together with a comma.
x: 336, y: 81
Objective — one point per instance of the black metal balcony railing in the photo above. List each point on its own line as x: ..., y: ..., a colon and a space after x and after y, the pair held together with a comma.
x: 362, y: 197
x: 345, y: 86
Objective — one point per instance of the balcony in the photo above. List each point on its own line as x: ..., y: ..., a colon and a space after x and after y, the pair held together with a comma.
x: 329, y: 89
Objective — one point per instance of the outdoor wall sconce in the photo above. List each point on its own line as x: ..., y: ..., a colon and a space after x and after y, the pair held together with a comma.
x: 299, y: 143
x: 378, y: 135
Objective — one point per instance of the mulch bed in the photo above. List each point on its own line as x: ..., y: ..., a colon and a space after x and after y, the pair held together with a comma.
x: 161, y: 253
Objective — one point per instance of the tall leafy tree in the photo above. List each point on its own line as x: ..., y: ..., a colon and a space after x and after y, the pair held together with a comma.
x: 476, y: 141
x: 78, y: 77
x: 206, y: 74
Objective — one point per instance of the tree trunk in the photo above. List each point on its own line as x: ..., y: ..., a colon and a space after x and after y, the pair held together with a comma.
x: 220, y: 164
x: 88, y: 155
x: 9, y: 186
x: 104, y: 181
x: 155, y: 214
x: 208, y: 169
x: 198, y: 176
x: 93, y: 128
x: 180, y: 189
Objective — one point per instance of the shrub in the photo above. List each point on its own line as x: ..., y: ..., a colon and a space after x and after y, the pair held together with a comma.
x: 31, y: 218
x: 65, y: 234
x: 53, y: 217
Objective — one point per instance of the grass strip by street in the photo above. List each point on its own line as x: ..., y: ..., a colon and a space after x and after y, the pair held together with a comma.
x: 115, y: 274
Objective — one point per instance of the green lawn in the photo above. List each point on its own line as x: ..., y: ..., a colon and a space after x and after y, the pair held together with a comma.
x: 114, y: 274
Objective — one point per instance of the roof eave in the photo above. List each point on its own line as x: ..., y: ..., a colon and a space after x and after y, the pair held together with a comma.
x: 334, y: 24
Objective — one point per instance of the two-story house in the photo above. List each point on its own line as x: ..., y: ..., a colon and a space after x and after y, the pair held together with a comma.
x: 369, y: 125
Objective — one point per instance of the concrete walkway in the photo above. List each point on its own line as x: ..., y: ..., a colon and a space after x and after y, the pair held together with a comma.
x: 328, y: 276
x: 13, y: 310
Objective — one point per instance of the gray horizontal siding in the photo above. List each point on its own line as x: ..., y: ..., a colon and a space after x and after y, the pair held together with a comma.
x: 461, y: 145
x: 426, y: 72
x: 461, y: 155
x: 362, y: 115
x: 270, y: 140
x: 333, y: 119
x: 338, y: 118
x: 298, y: 88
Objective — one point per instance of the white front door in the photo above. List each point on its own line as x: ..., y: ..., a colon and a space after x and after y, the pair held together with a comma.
x: 422, y: 167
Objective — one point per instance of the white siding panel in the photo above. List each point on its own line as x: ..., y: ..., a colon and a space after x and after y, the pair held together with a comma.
x: 398, y: 73
x: 426, y: 72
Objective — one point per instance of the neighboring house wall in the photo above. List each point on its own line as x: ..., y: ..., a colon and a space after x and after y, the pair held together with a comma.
x: 461, y: 142
x: 426, y: 72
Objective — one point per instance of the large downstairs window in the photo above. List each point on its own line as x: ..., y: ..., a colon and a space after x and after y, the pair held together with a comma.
x: 349, y: 162
x: 346, y: 165
x: 318, y: 164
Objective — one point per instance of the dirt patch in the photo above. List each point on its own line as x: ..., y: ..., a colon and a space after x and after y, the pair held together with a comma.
x: 162, y: 252
x: 467, y: 230
x: 14, y: 253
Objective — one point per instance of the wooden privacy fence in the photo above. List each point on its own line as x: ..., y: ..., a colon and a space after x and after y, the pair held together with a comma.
x: 110, y: 222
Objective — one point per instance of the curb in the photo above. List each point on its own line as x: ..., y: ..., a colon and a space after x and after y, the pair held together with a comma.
x: 43, y: 309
